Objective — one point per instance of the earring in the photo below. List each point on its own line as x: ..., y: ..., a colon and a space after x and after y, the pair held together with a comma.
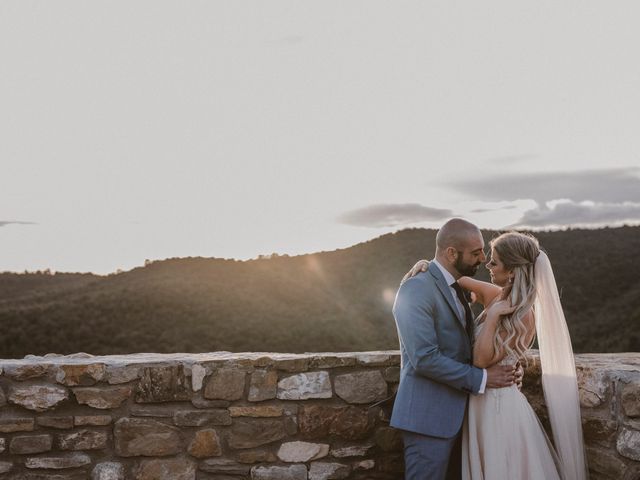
x: 510, y: 280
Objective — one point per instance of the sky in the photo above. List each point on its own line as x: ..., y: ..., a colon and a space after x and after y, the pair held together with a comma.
x: 133, y: 130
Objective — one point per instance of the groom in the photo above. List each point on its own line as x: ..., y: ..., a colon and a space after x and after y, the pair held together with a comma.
x: 435, y: 326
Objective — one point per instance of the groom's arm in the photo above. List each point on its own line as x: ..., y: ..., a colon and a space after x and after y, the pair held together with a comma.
x: 414, y: 315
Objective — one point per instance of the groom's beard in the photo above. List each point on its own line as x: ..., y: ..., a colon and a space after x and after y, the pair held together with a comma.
x: 465, y: 269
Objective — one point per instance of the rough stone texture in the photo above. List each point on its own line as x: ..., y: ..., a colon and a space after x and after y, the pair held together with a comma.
x: 358, y: 435
x: 225, y: 384
x: 262, y: 411
x: 94, y: 420
x: 3, y: 398
x: 305, y: 386
x: 5, y: 467
x: 8, y: 425
x: 116, y: 374
x: 300, y: 452
x: 224, y: 466
x: 628, y: 444
x: 352, y: 451
x: 255, y: 432
x: 108, y: 471
x: 319, y: 421
x: 83, y: 440
x: 58, y: 462
x: 38, y: 397
x: 263, y: 385
x: 102, y: 397
x: 163, y: 384
x: 74, y: 375
x: 327, y: 470
x: 256, y: 456
x: 166, y: 469
x: 61, y: 423
x: 200, y: 418
x: 631, y: 399
x: 27, y: 444
x: 292, y: 472
x: 206, y: 443
x: 137, y: 437
x: 198, y: 373
x: 361, y: 387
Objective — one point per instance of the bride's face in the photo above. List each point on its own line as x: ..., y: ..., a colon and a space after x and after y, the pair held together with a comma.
x: 499, y: 274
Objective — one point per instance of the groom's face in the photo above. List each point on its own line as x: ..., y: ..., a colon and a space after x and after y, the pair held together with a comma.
x: 471, y: 256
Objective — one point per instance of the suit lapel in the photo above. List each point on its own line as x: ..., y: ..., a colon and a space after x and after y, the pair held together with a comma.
x: 446, y: 291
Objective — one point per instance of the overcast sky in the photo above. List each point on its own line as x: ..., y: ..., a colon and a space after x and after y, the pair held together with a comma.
x: 136, y: 130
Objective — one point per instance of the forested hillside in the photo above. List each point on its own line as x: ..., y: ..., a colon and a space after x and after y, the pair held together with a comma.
x: 328, y: 301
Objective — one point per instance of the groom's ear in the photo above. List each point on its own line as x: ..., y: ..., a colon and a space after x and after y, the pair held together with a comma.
x: 452, y: 254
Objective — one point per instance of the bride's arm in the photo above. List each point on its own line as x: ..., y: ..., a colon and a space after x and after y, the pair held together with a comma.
x: 485, y: 292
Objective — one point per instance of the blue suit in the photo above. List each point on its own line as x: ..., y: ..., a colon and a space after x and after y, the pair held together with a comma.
x: 436, y: 374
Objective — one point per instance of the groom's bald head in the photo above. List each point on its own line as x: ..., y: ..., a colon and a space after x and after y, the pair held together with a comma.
x: 460, y: 247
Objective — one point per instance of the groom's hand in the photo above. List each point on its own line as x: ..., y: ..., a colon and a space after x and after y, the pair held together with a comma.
x: 519, y: 375
x: 500, y: 376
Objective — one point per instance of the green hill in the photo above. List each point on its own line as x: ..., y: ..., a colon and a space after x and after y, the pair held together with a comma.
x: 328, y: 301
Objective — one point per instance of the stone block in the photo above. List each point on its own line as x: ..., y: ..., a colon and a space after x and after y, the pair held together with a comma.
x: 102, y: 397
x: 58, y: 462
x: 628, y: 444
x: 61, y: 423
x: 605, y: 463
x: 206, y: 443
x: 75, y: 375
x: 224, y: 466
x: 39, y: 398
x: 593, y: 387
x: 598, y: 430
x: 200, y: 418
x: 361, y: 387
x: 389, y: 439
x: 108, y: 471
x: 319, y: 421
x: 332, y: 361
x: 163, y: 384
x: 198, y: 372
x: 292, y: 472
x: 352, y: 451
x: 117, y: 374
x: 263, y: 385
x: 225, y: 384
x: 83, y: 440
x: 301, y: 452
x: 328, y: 470
x: 255, y: 432
x: 256, y: 456
x: 391, y: 374
x: 26, y: 372
x: 3, y: 445
x: 631, y: 399
x: 166, y: 469
x: 9, y: 425
x: 262, y: 411
x: 304, y: 386
x: 364, y: 465
x: 142, y: 437
x: 3, y: 397
x: 92, y: 420
x: 5, y: 467
x: 199, y: 402
x: 27, y: 444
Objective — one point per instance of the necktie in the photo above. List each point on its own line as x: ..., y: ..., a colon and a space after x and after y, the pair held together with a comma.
x: 467, y: 310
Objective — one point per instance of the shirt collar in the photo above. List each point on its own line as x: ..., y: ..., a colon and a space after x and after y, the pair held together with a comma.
x: 447, y: 276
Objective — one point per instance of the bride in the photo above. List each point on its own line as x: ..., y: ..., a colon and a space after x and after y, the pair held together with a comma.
x: 502, y: 436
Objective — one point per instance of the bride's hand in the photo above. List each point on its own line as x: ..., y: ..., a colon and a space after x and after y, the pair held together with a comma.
x: 500, y: 308
x: 421, y: 266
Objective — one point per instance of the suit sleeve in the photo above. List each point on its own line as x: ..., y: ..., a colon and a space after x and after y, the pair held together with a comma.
x: 414, y: 315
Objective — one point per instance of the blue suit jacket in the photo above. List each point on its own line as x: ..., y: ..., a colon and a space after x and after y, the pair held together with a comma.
x: 436, y: 374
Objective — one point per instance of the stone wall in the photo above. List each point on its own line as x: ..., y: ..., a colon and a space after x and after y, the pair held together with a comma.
x: 254, y: 416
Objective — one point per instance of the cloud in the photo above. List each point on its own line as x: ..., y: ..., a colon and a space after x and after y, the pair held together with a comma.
x: 614, y: 185
x: 15, y: 222
x: 568, y: 212
x: 511, y: 159
x: 392, y: 215
x: 485, y: 210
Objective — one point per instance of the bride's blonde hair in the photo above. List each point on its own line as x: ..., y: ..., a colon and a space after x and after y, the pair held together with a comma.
x: 518, y: 252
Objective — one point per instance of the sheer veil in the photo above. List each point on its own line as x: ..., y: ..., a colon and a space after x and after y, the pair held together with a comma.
x: 558, y: 373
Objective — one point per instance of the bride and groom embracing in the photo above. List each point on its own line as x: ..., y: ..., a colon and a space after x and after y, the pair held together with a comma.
x: 458, y: 404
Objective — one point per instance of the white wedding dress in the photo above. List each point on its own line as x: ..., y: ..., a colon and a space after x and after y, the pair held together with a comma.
x: 503, y: 438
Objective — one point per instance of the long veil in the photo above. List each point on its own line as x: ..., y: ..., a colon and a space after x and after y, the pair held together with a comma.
x: 558, y: 373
